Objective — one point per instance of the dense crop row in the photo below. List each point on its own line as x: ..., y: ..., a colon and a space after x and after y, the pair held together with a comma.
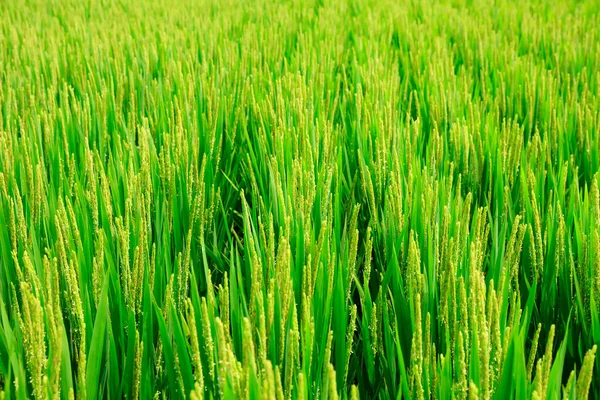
x: 311, y: 199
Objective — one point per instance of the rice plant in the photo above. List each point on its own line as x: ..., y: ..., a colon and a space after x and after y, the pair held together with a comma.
x: 313, y: 199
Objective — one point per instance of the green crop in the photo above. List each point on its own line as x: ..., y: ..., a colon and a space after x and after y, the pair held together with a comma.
x: 299, y: 199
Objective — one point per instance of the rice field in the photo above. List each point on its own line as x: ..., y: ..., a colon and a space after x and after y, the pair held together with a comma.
x: 299, y: 199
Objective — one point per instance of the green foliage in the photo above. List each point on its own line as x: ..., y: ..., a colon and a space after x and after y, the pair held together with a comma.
x: 299, y: 199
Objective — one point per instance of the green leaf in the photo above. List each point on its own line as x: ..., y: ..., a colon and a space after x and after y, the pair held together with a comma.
x: 95, y: 358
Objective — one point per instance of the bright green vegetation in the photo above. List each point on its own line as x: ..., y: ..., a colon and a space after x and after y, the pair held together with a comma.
x: 299, y: 199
